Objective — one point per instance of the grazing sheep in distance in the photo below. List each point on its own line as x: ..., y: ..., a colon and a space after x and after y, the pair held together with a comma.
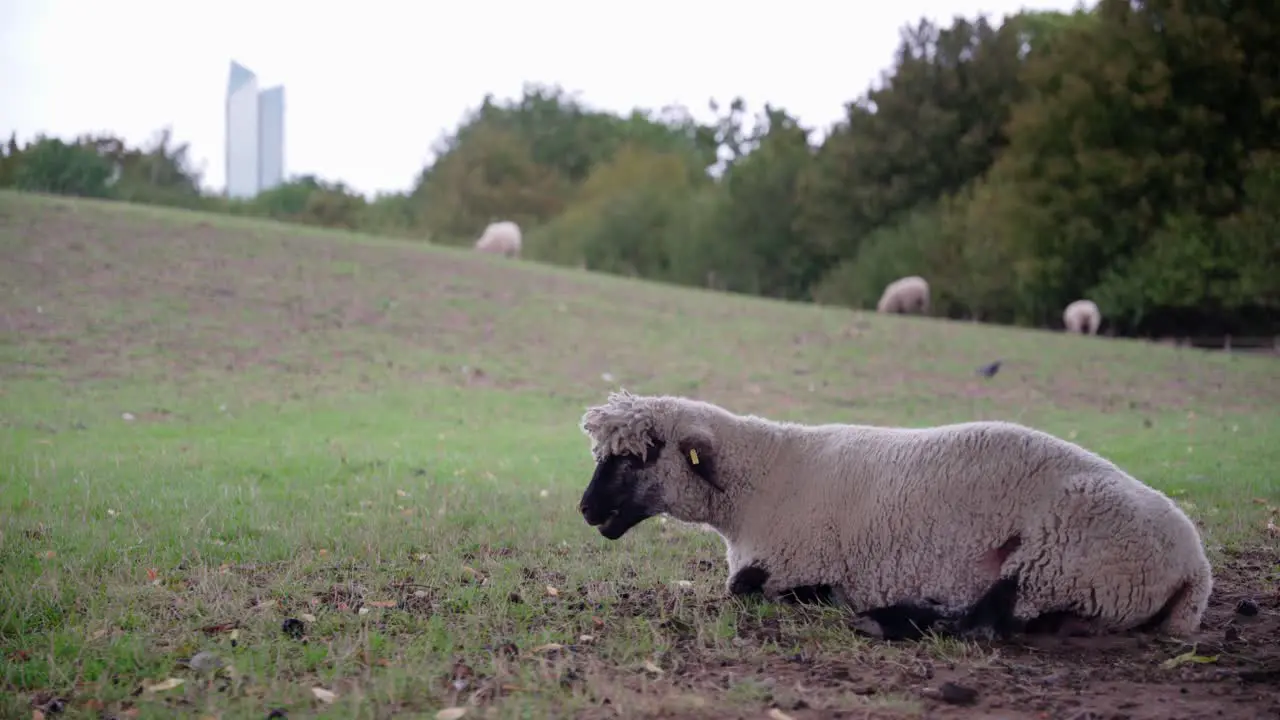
x: 905, y: 295
x: 502, y: 238
x: 980, y: 527
x: 1082, y: 316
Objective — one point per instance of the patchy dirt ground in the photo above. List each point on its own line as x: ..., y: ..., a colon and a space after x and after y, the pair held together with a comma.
x: 1116, y: 678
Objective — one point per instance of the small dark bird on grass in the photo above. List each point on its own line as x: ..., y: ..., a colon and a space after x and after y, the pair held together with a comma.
x: 988, y: 371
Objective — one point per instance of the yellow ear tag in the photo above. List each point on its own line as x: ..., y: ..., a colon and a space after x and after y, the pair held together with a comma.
x: 693, y: 456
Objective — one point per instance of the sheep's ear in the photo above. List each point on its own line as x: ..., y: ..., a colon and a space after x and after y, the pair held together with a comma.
x: 700, y: 456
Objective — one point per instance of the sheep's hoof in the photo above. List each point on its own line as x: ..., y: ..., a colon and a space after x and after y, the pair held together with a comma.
x: 1060, y: 623
x: 902, y: 621
x: 867, y: 626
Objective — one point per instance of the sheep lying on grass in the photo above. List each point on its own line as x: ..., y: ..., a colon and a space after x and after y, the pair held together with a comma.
x: 502, y: 238
x: 905, y: 295
x: 1082, y: 316
x: 980, y: 528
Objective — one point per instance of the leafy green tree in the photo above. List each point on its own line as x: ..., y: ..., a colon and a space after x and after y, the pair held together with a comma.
x: 50, y: 165
x: 629, y: 216
x: 935, y: 123
x: 1135, y: 146
x: 288, y: 200
x: 891, y: 251
x: 524, y: 159
x: 489, y: 176
x: 10, y: 157
x: 756, y: 246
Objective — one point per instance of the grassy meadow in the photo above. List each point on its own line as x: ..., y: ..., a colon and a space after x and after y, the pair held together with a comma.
x: 337, y: 476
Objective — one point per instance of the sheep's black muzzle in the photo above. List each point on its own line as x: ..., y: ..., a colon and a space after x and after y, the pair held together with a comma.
x: 610, y: 502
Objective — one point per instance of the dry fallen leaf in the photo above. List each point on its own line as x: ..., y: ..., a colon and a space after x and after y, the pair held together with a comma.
x: 382, y: 603
x: 651, y: 667
x: 1188, y: 656
x: 452, y: 713
x: 777, y: 714
x: 1272, y: 529
x: 323, y: 695
x: 37, y: 714
x: 552, y: 591
x: 402, y: 493
x: 169, y: 684
x: 307, y: 617
x: 549, y: 647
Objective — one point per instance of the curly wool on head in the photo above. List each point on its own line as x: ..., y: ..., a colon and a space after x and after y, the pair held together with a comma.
x: 622, y: 426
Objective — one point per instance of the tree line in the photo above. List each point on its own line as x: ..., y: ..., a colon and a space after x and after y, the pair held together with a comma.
x: 1129, y: 154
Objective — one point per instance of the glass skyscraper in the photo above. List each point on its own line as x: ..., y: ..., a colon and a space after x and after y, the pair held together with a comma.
x: 255, y: 134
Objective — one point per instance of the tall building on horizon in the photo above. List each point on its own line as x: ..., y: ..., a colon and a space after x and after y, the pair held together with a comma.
x: 255, y: 134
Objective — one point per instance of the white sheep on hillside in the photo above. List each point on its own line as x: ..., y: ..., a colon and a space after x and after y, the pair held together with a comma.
x: 905, y: 295
x: 983, y: 527
x: 1082, y: 316
x: 502, y: 238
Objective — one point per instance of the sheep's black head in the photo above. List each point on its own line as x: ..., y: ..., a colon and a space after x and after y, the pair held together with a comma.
x: 652, y: 456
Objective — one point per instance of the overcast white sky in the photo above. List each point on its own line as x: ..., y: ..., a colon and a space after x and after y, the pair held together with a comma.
x: 370, y: 85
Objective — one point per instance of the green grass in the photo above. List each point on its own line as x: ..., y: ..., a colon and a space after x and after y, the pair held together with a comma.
x: 320, y: 424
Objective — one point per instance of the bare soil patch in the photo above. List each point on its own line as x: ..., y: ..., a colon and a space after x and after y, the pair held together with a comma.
x: 1117, y: 677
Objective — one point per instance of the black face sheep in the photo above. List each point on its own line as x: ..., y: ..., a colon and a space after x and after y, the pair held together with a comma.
x: 905, y: 295
x: 1082, y: 316
x: 981, y: 527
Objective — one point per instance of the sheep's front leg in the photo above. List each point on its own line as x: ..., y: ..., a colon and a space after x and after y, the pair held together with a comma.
x: 749, y: 580
x: 755, y: 578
